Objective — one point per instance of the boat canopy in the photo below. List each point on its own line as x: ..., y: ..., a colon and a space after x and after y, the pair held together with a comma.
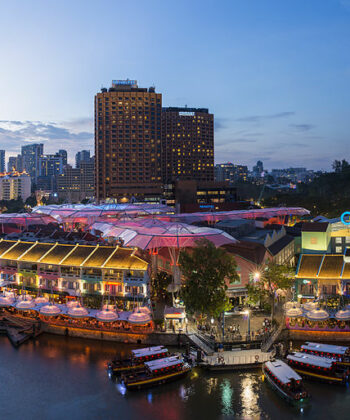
x: 282, y: 371
x: 149, y: 351
x: 311, y: 359
x: 163, y: 363
x: 325, y: 348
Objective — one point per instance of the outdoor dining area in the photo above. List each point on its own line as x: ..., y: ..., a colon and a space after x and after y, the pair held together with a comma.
x: 316, y: 315
x: 74, y: 314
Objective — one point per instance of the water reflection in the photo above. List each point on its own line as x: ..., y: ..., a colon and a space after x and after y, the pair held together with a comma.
x: 249, y: 396
x: 212, y: 384
x: 226, y: 398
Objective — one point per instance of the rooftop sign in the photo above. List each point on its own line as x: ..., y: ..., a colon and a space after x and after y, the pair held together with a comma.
x: 345, y: 218
x: 186, y: 114
x: 126, y: 82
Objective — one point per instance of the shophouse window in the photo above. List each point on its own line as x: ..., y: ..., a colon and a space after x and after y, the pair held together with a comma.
x: 338, y: 240
x: 338, y: 249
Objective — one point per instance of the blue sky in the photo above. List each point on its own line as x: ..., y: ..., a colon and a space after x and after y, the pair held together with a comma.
x: 275, y: 73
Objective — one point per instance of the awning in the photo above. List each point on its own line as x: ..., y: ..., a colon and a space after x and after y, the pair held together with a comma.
x: 174, y: 313
x: 239, y: 291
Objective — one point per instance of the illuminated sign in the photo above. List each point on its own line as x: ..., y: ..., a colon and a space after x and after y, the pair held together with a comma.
x: 124, y: 82
x: 345, y: 218
x: 186, y: 114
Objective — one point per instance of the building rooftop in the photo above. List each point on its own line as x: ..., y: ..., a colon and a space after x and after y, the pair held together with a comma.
x: 315, y: 227
x: 72, y: 255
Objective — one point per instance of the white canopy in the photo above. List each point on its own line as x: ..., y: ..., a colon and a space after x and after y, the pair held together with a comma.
x: 294, y: 312
x: 343, y: 315
x: 25, y: 305
x: 50, y: 310
x: 291, y: 304
x: 317, y: 315
x: 106, y: 315
x: 78, y: 312
x: 24, y: 297
x: 309, y: 306
x: 40, y: 300
x: 139, y: 317
x: 6, y: 301
x: 72, y: 304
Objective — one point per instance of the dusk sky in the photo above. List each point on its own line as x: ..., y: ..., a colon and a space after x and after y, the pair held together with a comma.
x: 275, y: 73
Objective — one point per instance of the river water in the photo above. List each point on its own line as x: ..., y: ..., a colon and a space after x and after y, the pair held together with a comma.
x: 58, y: 377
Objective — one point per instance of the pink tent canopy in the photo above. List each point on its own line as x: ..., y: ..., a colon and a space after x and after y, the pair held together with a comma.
x: 156, y: 234
x: 26, y: 219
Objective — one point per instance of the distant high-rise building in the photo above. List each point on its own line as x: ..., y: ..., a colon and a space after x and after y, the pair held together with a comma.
x: 64, y: 155
x: 2, y: 161
x: 31, y: 154
x: 127, y: 141
x: 76, y: 184
x: 83, y: 156
x: 187, y: 144
x: 15, y: 163
x: 230, y: 172
x: 258, y: 169
x: 14, y: 185
x: 50, y: 166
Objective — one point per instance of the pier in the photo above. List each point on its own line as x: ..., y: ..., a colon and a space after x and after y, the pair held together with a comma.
x: 19, y: 330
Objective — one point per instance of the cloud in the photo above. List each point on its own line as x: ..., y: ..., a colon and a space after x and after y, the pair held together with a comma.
x: 66, y: 135
x: 258, y: 118
x: 220, y: 123
x: 302, y: 127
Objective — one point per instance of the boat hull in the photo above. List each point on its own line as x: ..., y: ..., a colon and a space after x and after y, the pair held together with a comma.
x: 224, y: 368
x: 282, y: 394
x: 125, y: 369
x: 159, y: 380
x: 322, y: 378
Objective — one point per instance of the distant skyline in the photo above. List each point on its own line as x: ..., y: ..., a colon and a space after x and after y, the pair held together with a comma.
x: 276, y: 74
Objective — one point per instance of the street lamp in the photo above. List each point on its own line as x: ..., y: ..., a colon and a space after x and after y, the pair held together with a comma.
x: 247, y: 312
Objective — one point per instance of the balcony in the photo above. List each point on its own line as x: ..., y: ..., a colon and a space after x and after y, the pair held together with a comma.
x: 135, y: 281
x: 92, y: 277
x: 6, y: 269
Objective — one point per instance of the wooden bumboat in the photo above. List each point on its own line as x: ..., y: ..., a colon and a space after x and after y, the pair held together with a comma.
x: 285, y: 381
x: 318, y: 368
x: 157, y: 372
x: 339, y: 353
x: 137, y: 359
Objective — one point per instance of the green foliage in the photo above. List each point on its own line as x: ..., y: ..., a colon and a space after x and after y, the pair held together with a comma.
x: 205, y: 269
x: 12, y: 206
x: 31, y: 201
x: 272, y: 278
x: 159, y: 283
x: 328, y: 194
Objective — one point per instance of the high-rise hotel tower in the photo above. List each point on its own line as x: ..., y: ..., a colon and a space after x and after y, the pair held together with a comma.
x: 127, y: 141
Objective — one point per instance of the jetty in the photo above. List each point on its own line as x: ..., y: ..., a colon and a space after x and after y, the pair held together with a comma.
x: 237, y: 359
x: 19, y: 330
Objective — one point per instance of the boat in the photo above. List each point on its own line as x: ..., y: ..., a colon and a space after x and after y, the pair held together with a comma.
x: 340, y: 353
x: 156, y: 372
x: 137, y: 359
x: 319, y: 368
x: 283, y: 379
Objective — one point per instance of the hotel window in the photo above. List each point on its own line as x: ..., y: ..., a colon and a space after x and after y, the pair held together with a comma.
x: 338, y: 249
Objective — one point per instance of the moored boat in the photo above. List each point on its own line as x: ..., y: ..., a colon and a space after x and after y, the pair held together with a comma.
x: 319, y: 368
x: 340, y: 353
x: 137, y: 359
x: 285, y: 381
x: 157, y: 372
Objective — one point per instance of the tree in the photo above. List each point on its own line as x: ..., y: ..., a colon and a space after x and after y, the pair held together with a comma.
x: 159, y: 283
x: 272, y: 278
x: 31, y: 201
x: 206, y: 269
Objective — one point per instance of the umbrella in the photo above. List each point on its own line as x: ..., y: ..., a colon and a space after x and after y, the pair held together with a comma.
x: 106, y: 315
x: 343, y: 315
x: 309, y: 306
x: 24, y: 296
x: 50, y: 310
x: 78, y: 312
x: 289, y: 305
x: 40, y: 300
x: 25, y: 305
x: 317, y: 315
x: 139, y: 317
x: 294, y: 312
x: 6, y: 301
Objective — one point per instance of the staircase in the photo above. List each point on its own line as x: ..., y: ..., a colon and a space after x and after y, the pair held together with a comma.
x: 201, y: 343
x: 273, y: 337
